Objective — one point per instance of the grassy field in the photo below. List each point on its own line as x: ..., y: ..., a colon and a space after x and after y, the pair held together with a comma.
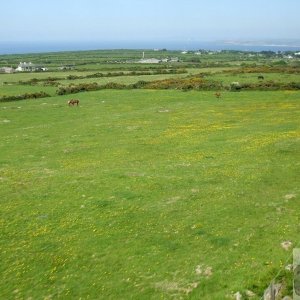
x: 10, y: 82
x: 253, y: 78
x: 144, y: 194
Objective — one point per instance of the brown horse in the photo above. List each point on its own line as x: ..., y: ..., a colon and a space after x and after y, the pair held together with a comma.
x: 73, y: 102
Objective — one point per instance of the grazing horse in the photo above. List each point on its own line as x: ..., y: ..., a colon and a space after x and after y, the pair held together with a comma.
x: 218, y: 95
x: 73, y: 102
x: 260, y: 77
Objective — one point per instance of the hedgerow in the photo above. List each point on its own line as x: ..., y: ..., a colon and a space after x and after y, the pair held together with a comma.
x: 24, y: 96
x: 51, y: 80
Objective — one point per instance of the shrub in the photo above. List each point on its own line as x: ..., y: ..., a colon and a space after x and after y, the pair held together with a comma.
x: 138, y: 85
x: 24, y: 96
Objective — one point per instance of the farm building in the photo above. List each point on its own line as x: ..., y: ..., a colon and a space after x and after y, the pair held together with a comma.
x: 67, y: 67
x: 23, y: 66
x: 6, y: 70
x: 29, y: 67
x: 173, y: 59
x: 149, y: 61
x: 157, y: 61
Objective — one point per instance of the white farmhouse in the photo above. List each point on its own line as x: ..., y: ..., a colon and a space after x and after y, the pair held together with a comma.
x: 24, y: 66
x: 29, y: 67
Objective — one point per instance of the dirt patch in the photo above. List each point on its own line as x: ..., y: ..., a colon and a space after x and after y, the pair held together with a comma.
x: 289, y: 196
x: 176, y: 288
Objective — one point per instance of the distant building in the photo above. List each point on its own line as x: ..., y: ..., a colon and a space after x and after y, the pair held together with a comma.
x: 66, y: 67
x: 149, y: 61
x: 164, y: 60
x: 174, y: 59
x: 24, y: 66
x: 153, y: 60
x: 7, y: 70
x: 29, y: 67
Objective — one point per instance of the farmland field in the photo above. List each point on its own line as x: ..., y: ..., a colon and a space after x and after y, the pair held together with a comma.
x: 148, y: 193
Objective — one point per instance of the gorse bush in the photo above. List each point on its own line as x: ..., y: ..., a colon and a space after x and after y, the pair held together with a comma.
x: 86, y: 87
x: 193, y: 83
x: 34, y: 81
x: 138, y: 85
x: 185, y: 84
x: 24, y: 96
x: 113, y: 85
x: 266, y: 86
x: 72, y: 89
x: 197, y: 83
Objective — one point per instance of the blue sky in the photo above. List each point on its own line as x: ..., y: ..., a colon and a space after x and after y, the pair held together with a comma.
x: 134, y: 20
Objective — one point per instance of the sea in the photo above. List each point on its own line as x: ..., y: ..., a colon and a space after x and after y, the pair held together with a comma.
x: 43, y: 47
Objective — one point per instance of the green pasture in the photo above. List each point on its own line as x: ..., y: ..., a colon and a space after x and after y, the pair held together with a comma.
x: 25, y: 76
x: 14, y: 89
x: 9, y: 83
x: 226, y: 79
x: 141, y: 194
x: 124, y: 79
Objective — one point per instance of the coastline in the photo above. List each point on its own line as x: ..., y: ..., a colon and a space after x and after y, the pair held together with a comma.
x: 44, y: 47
